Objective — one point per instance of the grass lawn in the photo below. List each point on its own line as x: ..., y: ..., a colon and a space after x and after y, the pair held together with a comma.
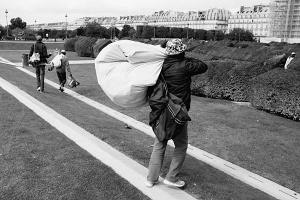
x: 13, y: 50
x: 38, y: 162
x: 23, y: 45
x: 260, y: 142
x: 204, y: 181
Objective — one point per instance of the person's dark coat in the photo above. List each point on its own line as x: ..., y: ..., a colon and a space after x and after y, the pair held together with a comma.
x: 177, y: 71
x: 39, y: 47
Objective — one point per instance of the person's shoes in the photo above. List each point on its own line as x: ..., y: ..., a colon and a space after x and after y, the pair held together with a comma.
x: 38, y: 89
x: 178, y: 184
x: 150, y: 183
x: 61, y: 89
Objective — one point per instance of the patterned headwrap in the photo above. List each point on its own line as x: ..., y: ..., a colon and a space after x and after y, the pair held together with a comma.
x: 175, y: 46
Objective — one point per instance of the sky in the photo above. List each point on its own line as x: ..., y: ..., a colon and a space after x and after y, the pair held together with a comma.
x: 45, y: 11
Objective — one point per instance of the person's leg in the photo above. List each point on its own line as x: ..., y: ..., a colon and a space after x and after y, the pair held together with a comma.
x: 42, y: 77
x: 38, y: 80
x: 181, y: 144
x: 61, y: 80
x: 59, y: 77
x: 156, y: 160
x: 64, y: 79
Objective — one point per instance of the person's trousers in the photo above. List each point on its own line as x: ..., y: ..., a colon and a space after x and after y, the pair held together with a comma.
x: 40, y: 76
x: 158, y: 153
x: 62, y: 78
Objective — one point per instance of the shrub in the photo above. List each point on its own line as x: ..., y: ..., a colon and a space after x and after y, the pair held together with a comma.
x: 156, y: 42
x: 277, y: 91
x: 238, y: 87
x: 83, y: 46
x: 229, y: 79
x: 249, y: 51
x: 30, y: 37
x: 9, y: 37
x: 69, y: 44
x: 213, y: 82
x: 99, y: 45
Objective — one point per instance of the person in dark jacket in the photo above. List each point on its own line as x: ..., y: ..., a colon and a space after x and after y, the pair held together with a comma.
x: 177, y: 71
x: 40, y: 47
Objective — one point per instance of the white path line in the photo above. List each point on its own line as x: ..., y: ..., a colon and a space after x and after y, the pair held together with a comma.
x: 231, y: 169
x: 127, y: 168
x: 242, y: 103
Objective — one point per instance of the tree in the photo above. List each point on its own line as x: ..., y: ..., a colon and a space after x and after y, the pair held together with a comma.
x: 92, y: 30
x: 104, y: 32
x: 210, y: 35
x: 2, y: 31
x: 148, y: 32
x: 162, y: 32
x: 132, y: 33
x: 177, y: 33
x: 200, y: 34
x: 81, y: 31
x: 17, y: 33
x: 113, y: 32
x: 29, y: 34
x: 96, y: 30
x: 17, y: 23
x: 139, y: 31
x: 125, y: 31
x: 239, y: 34
x: 116, y: 31
x: 219, y: 35
x: 72, y: 34
x: 53, y: 33
x: 40, y: 32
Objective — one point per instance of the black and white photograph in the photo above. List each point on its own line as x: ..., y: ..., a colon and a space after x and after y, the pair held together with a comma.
x: 140, y: 100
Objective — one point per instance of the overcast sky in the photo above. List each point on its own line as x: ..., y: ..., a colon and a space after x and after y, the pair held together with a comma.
x: 55, y: 10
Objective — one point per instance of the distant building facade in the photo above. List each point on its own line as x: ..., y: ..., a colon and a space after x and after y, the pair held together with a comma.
x: 285, y: 23
x: 256, y: 19
x: 212, y: 19
x: 278, y: 21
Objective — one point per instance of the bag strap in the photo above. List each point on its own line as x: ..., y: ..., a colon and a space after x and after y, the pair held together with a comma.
x: 165, y: 83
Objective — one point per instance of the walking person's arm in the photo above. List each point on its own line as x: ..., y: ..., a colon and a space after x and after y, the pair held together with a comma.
x: 195, y: 66
x: 68, y: 68
x: 31, y: 51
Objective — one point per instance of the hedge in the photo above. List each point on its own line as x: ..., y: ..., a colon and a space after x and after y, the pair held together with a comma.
x: 69, y: 44
x: 84, y: 45
x: 99, y: 45
x: 277, y: 91
x: 230, y: 79
x: 237, y: 85
x: 212, y: 82
x: 240, y: 51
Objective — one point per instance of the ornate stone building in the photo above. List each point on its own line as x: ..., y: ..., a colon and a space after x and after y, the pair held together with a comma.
x: 255, y: 19
x: 285, y: 23
x: 212, y: 19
